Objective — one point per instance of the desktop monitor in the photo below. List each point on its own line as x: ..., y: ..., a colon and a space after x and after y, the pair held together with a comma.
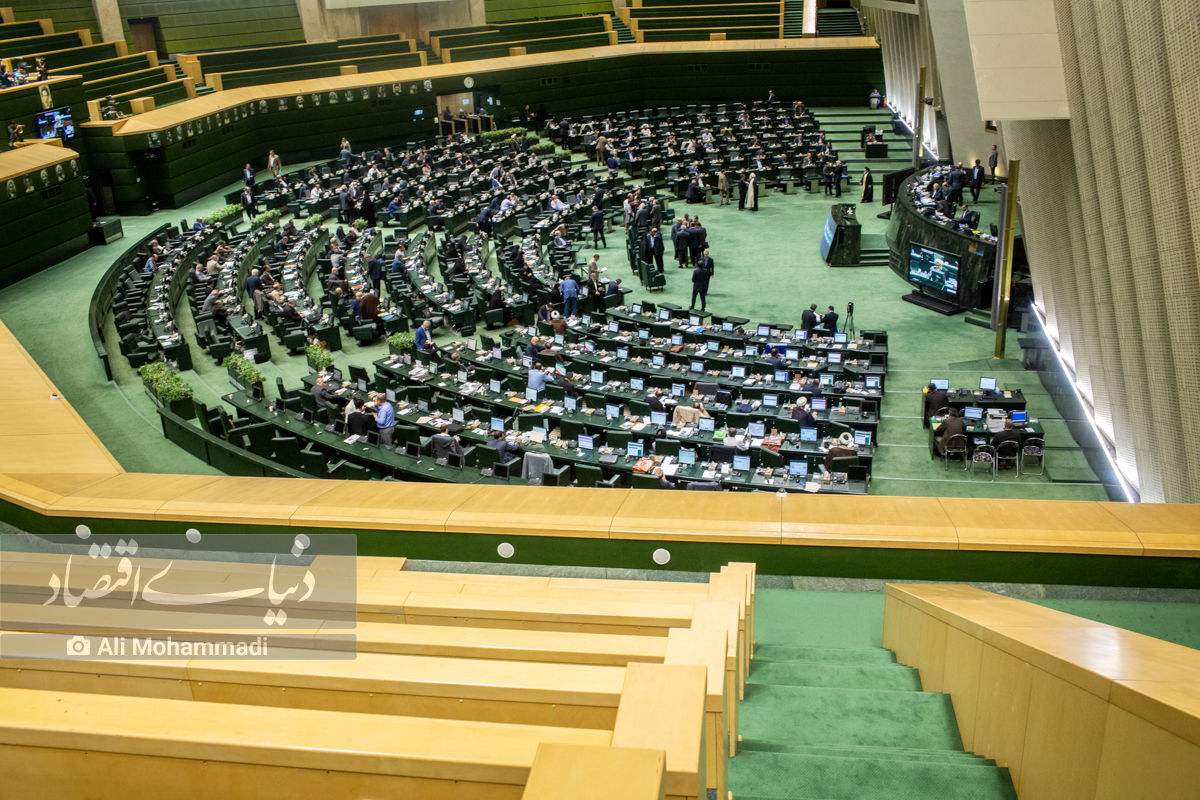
x: 531, y: 394
x: 541, y: 431
x: 727, y: 327
x: 873, y: 382
x: 571, y: 403
x: 56, y: 123
x: 987, y: 384
x: 781, y: 376
x: 798, y: 469
x: 494, y: 385
x: 676, y: 339
x: 634, y: 449
x: 1019, y: 416
x: 643, y: 335
x: 933, y: 270
x: 751, y: 350
x: 339, y: 427
x: 279, y: 405
x: 658, y: 417
x: 658, y: 360
x: 801, y: 335
x: 587, y: 320
x: 764, y: 330
x: 589, y: 346
x: 614, y: 327
x: 826, y: 379
x: 637, y: 384
x: 757, y: 430
x: 559, y: 369
x: 741, y: 463
x: 835, y: 358
x: 677, y: 390
x: 457, y: 415
x: 819, y: 404
x: 687, y: 457
x: 941, y: 383
x: 862, y: 438
x: 390, y: 394
x: 770, y: 400
x: 497, y: 353
x: 308, y: 415
x: 808, y: 434
x: 623, y: 353
x: 336, y: 374
x: 586, y: 442
x: 612, y: 410
x: 693, y: 320
x: 793, y: 354
x: 697, y: 366
x: 463, y: 376
x: 362, y: 384
x: 559, y: 339
x: 256, y: 392
x: 973, y: 412
x: 724, y: 397
x: 497, y: 424
x: 664, y: 315
x: 636, y: 308
x: 526, y: 362
x: 713, y: 347
x: 597, y: 376
x: 839, y: 338
x: 738, y: 371
x: 708, y: 424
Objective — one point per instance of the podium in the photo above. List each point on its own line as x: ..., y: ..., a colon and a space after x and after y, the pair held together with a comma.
x: 841, y: 241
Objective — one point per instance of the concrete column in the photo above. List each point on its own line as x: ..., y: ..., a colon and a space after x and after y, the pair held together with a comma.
x: 108, y: 19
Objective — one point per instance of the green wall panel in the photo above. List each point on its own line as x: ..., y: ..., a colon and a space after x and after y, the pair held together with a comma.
x: 192, y: 25
x: 67, y: 15
x: 511, y: 10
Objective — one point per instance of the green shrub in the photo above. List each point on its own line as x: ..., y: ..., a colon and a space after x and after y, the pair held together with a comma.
x: 221, y: 214
x: 501, y: 134
x: 313, y: 222
x: 268, y: 217
x: 242, y: 369
x: 402, y: 341
x: 164, y: 382
x: 543, y: 149
x: 360, y: 223
x: 319, y: 358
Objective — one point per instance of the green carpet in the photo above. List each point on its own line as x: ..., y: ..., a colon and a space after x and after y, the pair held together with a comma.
x: 768, y: 267
x: 830, y: 714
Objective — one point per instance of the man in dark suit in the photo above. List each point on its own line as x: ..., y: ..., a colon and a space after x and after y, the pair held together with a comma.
x: 808, y: 320
x: 951, y: 426
x: 653, y: 248
x: 697, y: 241
x: 700, y: 278
x: 958, y: 179
x: 248, y: 204
x: 507, y: 450
x: 802, y: 414
x: 614, y: 288
x: 597, y: 225
x: 827, y: 177
x: 1006, y: 435
x: 935, y: 399
x: 976, y: 181
x: 993, y: 162
x: 706, y: 262
x: 829, y: 321
x: 655, y: 213
x: 642, y: 218
x: 743, y: 190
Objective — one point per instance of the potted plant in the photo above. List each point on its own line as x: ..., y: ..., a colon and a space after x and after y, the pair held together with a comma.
x: 267, y: 218
x: 312, y: 222
x: 402, y: 343
x: 168, y: 389
x: 242, y: 373
x: 360, y: 223
x: 319, y: 359
x: 226, y: 216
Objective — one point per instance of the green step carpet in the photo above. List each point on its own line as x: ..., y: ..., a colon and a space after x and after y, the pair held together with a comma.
x: 830, y: 714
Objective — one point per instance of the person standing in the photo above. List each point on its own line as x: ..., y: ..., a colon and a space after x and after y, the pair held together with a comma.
x: 700, y: 279
x: 976, y: 182
x: 570, y: 292
x: 958, y: 179
x: 743, y: 190
x: 723, y: 186
x: 679, y: 238
x: 597, y: 226
x: 274, y: 163
x: 248, y: 205
x: 993, y: 161
x: 248, y: 174
x: 838, y: 169
x: 697, y: 241
x: 654, y: 248
x: 752, y: 192
x: 868, y: 186
x: 385, y: 420
x: 601, y: 149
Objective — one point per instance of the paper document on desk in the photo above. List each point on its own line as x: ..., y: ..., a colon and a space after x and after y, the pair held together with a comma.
x: 812, y: 486
x: 709, y: 474
x: 351, y: 439
x: 670, y: 469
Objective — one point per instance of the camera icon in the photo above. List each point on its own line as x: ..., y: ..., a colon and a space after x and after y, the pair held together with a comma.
x: 79, y: 646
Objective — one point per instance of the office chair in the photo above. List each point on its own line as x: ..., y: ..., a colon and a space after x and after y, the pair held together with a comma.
x: 984, y: 454
x: 956, y: 447
x: 1034, y: 447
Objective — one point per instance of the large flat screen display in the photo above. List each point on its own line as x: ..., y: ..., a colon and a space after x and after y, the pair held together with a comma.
x: 56, y: 123
x: 933, y: 270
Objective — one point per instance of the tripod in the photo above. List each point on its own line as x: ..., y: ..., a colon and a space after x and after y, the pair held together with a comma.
x: 848, y: 327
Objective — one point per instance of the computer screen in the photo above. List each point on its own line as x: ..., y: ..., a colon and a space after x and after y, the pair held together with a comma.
x: 586, y: 442
x: 862, y: 438
x: 676, y: 339
x: 612, y: 410
x: 987, y: 384
x: 819, y: 404
x: 570, y: 403
x: 677, y: 390
x: 802, y: 335
x: 839, y: 338
x: 362, y: 384
x: 764, y: 330
x: 56, y: 123
x: 741, y: 463
x: 664, y: 315
x: 693, y: 320
x: 658, y: 417
x: 494, y: 385
x: 793, y: 354
x: 727, y: 326
x: 835, y: 358
x: 873, y: 382
x: 658, y: 360
x: 756, y: 430
x: 643, y: 334
x: 798, y: 468
x: 713, y: 347
x: 497, y: 353
x: 587, y: 320
x: 559, y: 339
x: 526, y: 362
x: 808, y: 434
x: 634, y: 449
x: 934, y: 270
x: 541, y: 431
x: 559, y: 369
x: 770, y: 400
x: 463, y: 376
x: 531, y: 394
x: 637, y: 384
x: 457, y: 415
x: 307, y: 415
x: 1019, y: 416
x: 973, y: 412
x: 781, y: 376
x: 497, y: 424
x: 750, y: 350
x: 623, y: 353
x: 687, y: 457
x: 597, y: 376
x: 589, y: 346
x: 336, y: 375
x: 614, y: 327
x: 708, y: 424
x: 738, y: 371
x: 697, y: 366
x: 941, y: 383
x: 636, y: 308
x: 826, y: 379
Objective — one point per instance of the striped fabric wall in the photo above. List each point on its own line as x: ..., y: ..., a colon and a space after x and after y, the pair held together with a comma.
x: 68, y: 15
x: 192, y: 25
x: 1111, y: 213
x: 510, y: 10
x: 906, y: 45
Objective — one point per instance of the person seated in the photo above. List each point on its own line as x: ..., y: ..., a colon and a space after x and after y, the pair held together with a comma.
x: 935, y: 400
x: 507, y: 450
x: 950, y: 426
x: 1008, y: 434
x: 694, y: 194
x: 844, y: 447
x: 534, y: 347
x: 802, y: 414
x: 558, y: 323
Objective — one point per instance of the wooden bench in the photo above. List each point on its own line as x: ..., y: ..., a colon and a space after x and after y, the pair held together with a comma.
x: 1074, y: 708
x: 587, y: 772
